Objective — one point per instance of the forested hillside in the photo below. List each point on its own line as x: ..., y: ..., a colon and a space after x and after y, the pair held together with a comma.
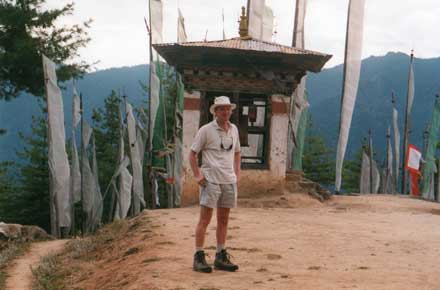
x: 379, y: 77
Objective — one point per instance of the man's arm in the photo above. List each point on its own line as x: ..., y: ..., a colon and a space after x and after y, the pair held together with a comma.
x: 195, y: 168
x: 237, y: 164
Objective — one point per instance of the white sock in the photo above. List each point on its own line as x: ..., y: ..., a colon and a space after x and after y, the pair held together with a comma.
x: 220, y: 248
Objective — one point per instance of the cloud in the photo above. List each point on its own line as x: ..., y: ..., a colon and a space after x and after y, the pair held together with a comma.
x: 119, y: 36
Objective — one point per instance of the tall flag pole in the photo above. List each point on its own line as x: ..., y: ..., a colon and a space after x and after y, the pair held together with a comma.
x: 155, y: 36
x: 223, y: 23
x: 75, y: 173
x: 389, y: 183
x: 136, y: 165
x: 83, y: 210
x: 396, y: 143
x: 370, y: 149
x: 298, y: 102
x: 429, y: 167
x: 364, y: 182
x: 125, y: 178
x: 177, y: 156
x: 352, y: 68
x: 409, y: 102
x: 58, y: 161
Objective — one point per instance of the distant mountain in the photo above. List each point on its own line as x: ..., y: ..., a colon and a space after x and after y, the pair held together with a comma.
x: 16, y: 115
x: 379, y: 77
x: 373, y: 109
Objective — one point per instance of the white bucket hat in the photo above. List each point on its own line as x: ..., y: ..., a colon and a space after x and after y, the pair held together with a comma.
x: 221, y: 101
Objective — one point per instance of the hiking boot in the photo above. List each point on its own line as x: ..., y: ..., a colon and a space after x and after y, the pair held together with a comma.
x: 200, y: 264
x: 222, y: 262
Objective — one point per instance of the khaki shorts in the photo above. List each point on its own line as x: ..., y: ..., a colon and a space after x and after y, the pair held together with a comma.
x: 218, y: 195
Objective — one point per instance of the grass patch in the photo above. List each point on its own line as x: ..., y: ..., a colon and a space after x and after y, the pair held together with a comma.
x: 49, y: 275
x: 8, y: 252
x: 85, y: 248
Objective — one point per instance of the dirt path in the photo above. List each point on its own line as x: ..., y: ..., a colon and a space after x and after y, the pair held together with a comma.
x: 373, y: 242
x: 20, y: 275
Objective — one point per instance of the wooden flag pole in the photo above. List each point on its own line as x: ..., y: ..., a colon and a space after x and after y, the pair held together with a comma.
x: 406, y: 134
x: 370, y: 145
x: 83, y: 213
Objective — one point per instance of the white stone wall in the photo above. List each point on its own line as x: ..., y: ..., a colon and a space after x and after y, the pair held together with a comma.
x: 278, y: 139
x: 191, y: 121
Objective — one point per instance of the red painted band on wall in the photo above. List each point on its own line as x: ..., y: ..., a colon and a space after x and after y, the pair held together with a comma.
x: 191, y: 104
x: 279, y: 108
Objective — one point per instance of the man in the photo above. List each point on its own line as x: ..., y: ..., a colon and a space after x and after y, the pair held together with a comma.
x: 220, y: 146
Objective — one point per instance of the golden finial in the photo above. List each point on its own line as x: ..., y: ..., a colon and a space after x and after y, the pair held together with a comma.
x: 243, y: 28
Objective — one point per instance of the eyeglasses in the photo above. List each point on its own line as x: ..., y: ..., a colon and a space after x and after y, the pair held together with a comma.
x: 226, y: 143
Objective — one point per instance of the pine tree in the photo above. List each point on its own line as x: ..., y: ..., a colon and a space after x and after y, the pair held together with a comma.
x: 106, y: 129
x: 32, y: 196
x: 7, y: 192
x: 318, y: 160
x: 28, y: 31
x: 351, y: 172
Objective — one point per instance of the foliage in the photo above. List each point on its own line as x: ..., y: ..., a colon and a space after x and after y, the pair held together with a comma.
x: 31, y: 205
x: 164, y: 127
x: 106, y: 124
x: 50, y: 274
x: 28, y: 31
x: 318, y: 160
x: 7, y: 191
x: 351, y: 172
x: 8, y: 252
x: 165, y: 122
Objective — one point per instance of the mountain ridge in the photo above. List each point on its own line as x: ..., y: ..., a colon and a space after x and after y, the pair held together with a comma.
x: 380, y: 75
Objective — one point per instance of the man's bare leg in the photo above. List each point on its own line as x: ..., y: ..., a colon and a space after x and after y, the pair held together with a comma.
x: 200, y: 264
x: 204, y: 219
x: 222, y: 225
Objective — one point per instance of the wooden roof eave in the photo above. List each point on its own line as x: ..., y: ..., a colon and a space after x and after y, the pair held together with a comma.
x: 199, y: 56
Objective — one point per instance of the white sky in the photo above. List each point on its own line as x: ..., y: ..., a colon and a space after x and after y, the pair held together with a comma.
x: 119, y: 36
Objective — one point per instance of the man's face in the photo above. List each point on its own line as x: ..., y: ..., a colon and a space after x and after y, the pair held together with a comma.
x: 223, y: 113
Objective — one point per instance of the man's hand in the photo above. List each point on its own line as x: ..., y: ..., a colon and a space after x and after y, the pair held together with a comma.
x: 201, y: 180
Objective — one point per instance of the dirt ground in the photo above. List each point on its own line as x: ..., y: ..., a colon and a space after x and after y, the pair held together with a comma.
x: 351, y: 242
x: 19, y: 274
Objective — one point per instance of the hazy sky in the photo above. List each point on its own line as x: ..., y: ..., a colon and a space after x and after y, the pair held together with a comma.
x: 119, y: 36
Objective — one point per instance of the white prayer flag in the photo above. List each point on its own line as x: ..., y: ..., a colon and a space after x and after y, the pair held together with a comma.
x: 181, y: 32
x: 58, y: 161
x: 267, y: 25
x: 138, y: 184
x: 76, y: 115
x: 352, y: 68
x: 255, y: 13
x: 297, y: 102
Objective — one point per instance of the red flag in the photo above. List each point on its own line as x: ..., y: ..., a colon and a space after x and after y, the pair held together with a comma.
x: 414, y: 183
x: 412, y: 165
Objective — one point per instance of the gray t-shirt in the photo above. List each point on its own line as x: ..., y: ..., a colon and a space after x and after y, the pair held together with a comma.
x: 218, y: 148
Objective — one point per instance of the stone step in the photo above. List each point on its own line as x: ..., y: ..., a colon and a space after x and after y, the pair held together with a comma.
x: 294, y: 177
x: 292, y: 186
x: 308, y: 185
x: 295, y: 172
